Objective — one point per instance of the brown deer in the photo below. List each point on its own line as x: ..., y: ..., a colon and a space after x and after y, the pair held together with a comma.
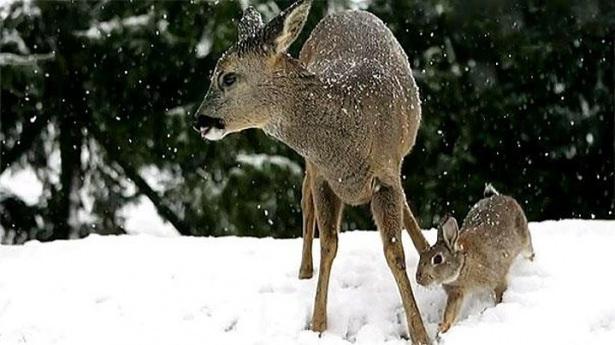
x: 349, y: 105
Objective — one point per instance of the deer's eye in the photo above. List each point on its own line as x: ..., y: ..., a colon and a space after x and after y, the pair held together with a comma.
x: 227, y: 79
x: 437, y: 259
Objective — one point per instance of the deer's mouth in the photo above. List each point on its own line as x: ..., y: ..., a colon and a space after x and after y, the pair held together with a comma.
x: 210, y: 128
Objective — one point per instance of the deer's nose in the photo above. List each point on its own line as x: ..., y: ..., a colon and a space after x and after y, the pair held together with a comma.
x: 199, y: 122
x: 206, y: 122
x: 202, y: 121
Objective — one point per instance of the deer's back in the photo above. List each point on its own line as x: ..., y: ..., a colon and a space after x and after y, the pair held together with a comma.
x: 355, y: 52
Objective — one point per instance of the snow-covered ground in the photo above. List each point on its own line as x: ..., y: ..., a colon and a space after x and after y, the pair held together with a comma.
x: 151, y: 290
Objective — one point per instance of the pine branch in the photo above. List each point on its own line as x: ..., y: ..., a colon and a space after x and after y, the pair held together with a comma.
x: 29, y: 134
x: 10, y: 59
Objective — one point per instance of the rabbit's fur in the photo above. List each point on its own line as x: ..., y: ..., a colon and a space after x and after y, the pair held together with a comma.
x: 479, y: 255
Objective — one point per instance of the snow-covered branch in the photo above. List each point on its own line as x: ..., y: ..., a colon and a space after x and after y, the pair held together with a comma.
x: 10, y: 59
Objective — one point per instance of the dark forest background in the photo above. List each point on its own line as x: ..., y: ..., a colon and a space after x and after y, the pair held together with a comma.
x: 97, y: 98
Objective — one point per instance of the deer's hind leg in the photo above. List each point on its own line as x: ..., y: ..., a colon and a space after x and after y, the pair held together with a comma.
x: 387, y: 208
x: 328, y: 215
x: 306, y: 270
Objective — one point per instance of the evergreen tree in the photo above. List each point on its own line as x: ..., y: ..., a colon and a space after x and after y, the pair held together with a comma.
x: 97, y: 98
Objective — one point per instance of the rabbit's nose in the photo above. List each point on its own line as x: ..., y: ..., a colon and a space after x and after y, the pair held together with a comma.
x: 423, y: 279
x: 420, y: 278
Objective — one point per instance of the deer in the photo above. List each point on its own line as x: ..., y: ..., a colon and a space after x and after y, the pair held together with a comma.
x: 349, y: 105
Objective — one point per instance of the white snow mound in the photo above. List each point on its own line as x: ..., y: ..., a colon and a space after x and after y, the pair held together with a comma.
x: 149, y: 290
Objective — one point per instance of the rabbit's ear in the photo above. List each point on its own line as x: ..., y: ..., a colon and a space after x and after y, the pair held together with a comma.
x: 448, y: 232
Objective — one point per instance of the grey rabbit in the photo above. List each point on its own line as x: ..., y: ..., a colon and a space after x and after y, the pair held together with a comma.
x: 479, y: 255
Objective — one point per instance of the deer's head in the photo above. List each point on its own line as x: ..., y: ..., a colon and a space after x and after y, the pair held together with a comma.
x: 252, y: 76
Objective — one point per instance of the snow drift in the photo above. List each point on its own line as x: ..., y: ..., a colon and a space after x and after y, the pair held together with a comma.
x: 150, y: 290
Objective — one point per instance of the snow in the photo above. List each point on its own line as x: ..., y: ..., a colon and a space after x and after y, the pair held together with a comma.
x: 159, y: 179
x: 22, y: 182
x: 18, y: 8
x: 180, y: 290
x: 258, y: 161
x: 141, y: 217
x: 100, y: 29
x: 203, y: 48
x: 12, y: 36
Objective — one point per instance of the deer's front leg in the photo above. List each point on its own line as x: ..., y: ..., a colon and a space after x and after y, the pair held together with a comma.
x: 387, y: 210
x: 328, y: 214
x: 306, y: 270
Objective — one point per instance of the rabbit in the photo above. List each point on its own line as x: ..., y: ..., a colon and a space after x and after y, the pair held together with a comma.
x: 479, y: 255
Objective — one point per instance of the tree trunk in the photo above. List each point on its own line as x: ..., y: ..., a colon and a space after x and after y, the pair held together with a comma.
x: 70, y: 152
x: 129, y: 170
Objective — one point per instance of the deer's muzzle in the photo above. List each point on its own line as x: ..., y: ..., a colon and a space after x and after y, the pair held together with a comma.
x: 209, y: 127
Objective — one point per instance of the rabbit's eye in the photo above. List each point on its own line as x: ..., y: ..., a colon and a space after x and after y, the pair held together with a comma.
x: 437, y: 259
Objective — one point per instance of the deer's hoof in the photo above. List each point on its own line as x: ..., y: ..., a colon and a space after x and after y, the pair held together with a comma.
x: 306, y: 273
x: 444, y: 327
x: 319, y: 326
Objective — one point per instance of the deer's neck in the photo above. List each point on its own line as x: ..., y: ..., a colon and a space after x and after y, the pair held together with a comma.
x: 310, y: 119
x: 303, y: 116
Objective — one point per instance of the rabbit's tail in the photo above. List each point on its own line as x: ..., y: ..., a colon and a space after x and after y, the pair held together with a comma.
x: 490, y: 191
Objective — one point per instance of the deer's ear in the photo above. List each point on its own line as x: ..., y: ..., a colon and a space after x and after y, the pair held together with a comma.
x: 249, y: 24
x: 284, y: 29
